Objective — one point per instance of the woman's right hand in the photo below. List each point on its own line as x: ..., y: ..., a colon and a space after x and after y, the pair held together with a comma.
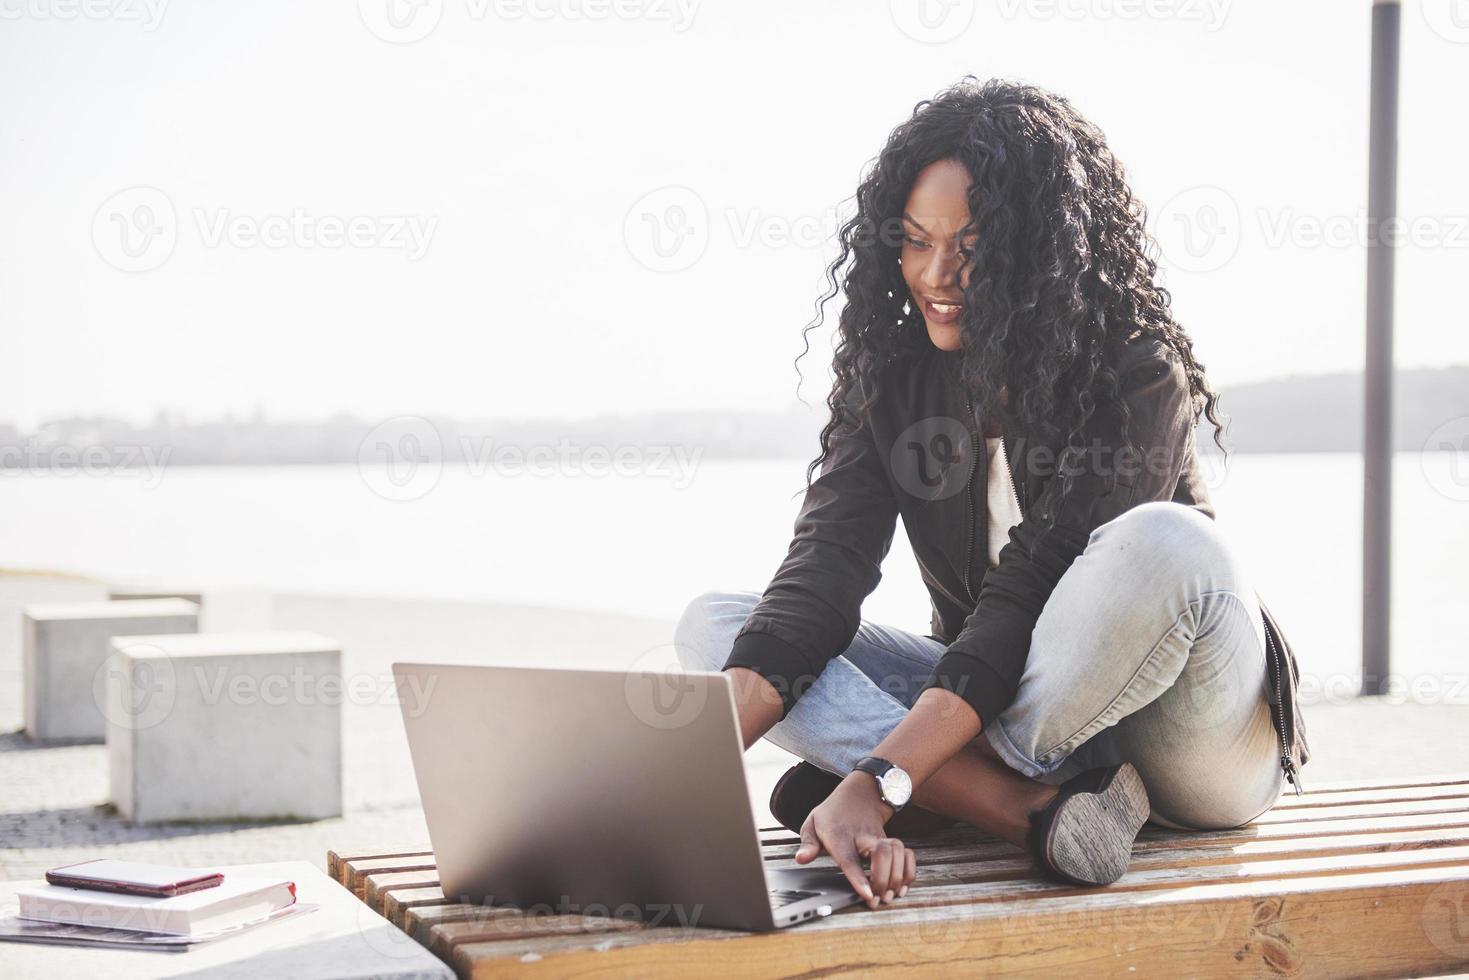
x: 849, y: 825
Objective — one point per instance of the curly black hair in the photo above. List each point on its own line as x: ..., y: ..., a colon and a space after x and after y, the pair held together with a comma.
x: 1062, y: 265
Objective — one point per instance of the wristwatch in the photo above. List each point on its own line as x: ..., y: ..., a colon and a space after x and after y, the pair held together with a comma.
x: 893, y: 784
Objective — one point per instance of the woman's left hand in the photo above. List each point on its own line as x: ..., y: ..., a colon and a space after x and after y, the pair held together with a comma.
x: 848, y: 825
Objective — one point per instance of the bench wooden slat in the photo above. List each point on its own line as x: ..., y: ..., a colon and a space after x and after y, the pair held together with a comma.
x: 1015, y: 864
x: 1364, y: 925
x: 1357, y: 878
x: 336, y: 863
x: 1160, y: 838
x: 1289, y: 801
x: 376, y: 887
x: 397, y: 902
x: 356, y: 874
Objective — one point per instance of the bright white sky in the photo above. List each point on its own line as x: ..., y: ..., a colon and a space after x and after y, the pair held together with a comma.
x: 524, y: 136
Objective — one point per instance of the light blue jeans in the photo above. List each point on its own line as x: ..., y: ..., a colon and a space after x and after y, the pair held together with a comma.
x: 1150, y: 650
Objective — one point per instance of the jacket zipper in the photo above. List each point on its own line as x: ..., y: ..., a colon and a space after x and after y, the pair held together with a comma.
x: 969, y: 500
x: 1287, y: 764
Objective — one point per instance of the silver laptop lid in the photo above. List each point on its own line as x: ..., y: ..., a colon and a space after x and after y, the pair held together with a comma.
x: 586, y: 791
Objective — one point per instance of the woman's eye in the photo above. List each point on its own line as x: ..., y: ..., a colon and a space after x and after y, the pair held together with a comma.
x: 916, y: 243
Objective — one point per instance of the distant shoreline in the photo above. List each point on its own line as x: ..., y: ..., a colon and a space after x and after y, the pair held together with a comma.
x: 1297, y: 414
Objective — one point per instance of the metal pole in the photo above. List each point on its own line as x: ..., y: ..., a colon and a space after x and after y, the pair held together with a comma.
x: 1382, y: 181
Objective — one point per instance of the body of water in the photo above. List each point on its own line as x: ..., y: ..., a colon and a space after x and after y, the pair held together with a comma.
x: 646, y: 544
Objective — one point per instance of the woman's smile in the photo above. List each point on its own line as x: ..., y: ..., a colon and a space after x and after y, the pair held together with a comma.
x: 942, y: 313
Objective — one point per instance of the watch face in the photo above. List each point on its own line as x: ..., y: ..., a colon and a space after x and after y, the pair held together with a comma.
x: 896, y: 786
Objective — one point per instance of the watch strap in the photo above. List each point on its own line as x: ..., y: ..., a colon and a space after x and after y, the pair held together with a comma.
x: 877, y: 767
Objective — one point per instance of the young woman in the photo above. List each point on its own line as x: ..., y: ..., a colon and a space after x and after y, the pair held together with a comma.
x: 1010, y: 381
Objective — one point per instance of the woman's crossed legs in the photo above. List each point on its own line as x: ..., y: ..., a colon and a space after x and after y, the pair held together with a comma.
x: 1150, y: 651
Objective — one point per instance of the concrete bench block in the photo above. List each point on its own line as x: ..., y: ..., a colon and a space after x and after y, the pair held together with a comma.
x: 64, y: 650
x: 120, y: 592
x: 226, y: 726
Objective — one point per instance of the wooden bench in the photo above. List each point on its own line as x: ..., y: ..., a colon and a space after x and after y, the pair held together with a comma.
x: 1361, y: 879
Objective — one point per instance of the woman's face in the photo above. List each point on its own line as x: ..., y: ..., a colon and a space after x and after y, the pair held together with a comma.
x: 935, y: 260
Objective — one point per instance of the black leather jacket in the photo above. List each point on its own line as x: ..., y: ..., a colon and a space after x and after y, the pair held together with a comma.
x: 884, y: 464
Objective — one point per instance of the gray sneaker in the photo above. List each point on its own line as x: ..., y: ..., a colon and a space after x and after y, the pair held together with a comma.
x: 1084, y: 835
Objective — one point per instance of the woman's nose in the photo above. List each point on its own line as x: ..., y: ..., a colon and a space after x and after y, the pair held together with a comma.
x: 942, y: 270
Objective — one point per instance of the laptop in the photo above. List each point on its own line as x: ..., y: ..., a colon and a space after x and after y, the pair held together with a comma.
x: 597, y: 792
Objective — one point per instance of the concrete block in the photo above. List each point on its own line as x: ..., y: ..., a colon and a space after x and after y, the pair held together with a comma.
x: 64, y: 649
x: 121, y: 592
x: 226, y: 726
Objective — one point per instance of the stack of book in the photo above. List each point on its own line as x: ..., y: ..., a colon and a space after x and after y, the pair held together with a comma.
x: 53, y: 913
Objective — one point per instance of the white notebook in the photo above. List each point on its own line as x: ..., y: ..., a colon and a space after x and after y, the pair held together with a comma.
x: 236, y: 900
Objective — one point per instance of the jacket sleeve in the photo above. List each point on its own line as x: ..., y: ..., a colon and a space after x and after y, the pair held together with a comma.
x: 811, y: 610
x: 984, y: 663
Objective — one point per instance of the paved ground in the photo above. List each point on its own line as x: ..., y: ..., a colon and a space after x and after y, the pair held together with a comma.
x: 53, y: 799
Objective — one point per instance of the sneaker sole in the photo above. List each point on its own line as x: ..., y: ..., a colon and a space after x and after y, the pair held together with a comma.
x: 1091, y: 837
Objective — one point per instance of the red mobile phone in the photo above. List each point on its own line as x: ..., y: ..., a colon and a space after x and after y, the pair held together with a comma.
x: 133, y: 878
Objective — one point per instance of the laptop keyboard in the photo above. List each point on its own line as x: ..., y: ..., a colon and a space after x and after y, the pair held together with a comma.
x: 781, y: 897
